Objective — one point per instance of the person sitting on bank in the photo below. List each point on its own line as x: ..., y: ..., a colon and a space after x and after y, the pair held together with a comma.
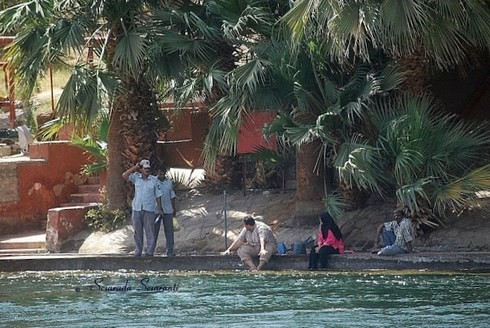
x: 403, y: 232
x: 255, y: 239
x: 329, y: 241
x: 385, y: 234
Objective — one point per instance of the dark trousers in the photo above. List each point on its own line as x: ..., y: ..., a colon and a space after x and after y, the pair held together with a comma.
x: 388, y: 237
x: 168, y: 228
x: 322, y: 255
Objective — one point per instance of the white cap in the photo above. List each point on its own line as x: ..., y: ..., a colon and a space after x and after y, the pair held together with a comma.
x: 145, y: 163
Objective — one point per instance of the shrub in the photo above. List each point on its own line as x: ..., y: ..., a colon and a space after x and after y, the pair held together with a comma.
x: 104, y: 219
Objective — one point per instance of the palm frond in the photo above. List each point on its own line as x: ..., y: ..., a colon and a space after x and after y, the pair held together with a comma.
x: 130, y: 53
x: 359, y: 163
x: 335, y: 205
x: 25, y: 14
x: 252, y: 18
x: 390, y: 78
x: 221, y: 139
x: 173, y: 42
x: 50, y: 129
x: 297, y: 18
x: 462, y: 193
x: 408, y: 195
x: 250, y: 75
x: 84, y: 95
x: 29, y: 54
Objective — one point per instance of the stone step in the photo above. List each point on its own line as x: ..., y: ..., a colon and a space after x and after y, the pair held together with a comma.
x: 27, y: 240
x: 23, y: 245
x: 21, y: 251
x: 89, y: 188
x: 93, y: 180
x: 85, y: 198
x: 74, y: 204
x: 361, y: 262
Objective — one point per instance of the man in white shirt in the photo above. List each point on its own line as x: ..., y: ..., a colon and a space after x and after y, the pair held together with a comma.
x: 255, y: 239
x: 146, y: 201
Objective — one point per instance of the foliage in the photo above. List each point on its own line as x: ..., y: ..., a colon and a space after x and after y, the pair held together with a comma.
x: 96, y: 146
x: 138, y: 47
x: 274, y: 162
x: 104, y: 219
x: 334, y: 204
x: 447, y: 30
x: 184, y: 179
x: 430, y: 160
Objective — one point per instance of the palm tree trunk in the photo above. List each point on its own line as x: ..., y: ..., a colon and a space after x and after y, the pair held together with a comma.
x: 132, y: 137
x: 414, y: 66
x: 116, y: 193
x: 310, y: 181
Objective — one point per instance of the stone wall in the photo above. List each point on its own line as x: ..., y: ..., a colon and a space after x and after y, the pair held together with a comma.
x: 10, y: 190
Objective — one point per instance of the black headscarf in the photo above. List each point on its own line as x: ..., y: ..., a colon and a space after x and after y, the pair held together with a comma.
x: 329, y: 224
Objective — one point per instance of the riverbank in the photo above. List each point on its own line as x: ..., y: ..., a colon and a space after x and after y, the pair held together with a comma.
x: 206, y: 218
x: 473, y: 262
x: 461, y: 245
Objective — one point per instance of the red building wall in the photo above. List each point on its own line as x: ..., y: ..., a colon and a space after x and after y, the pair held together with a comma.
x: 251, y: 136
x: 44, y: 181
x: 183, y: 144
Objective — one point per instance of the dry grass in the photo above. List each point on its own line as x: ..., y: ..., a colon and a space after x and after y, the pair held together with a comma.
x: 3, y: 87
x: 42, y: 99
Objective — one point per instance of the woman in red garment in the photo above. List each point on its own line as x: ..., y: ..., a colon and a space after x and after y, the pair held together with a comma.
x: 329, y: 241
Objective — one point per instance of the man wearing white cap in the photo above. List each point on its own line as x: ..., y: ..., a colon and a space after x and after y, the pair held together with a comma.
x: 146, y: 191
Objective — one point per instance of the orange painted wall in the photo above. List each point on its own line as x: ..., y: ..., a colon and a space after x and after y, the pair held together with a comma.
x: 186, y: 153
x: 250, y: 136
x: 183, y: 144
x: 43, y: 183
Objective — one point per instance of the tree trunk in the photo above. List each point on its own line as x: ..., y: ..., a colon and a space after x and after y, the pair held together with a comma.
x: 415, y: 68
x: 115, y: 183
x: 310, y: 181
x: 132, y: 137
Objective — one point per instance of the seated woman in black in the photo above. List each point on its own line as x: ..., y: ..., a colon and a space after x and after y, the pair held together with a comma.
x: 329, y: 241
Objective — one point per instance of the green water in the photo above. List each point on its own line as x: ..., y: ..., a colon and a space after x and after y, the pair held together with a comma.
x: 243, y: 299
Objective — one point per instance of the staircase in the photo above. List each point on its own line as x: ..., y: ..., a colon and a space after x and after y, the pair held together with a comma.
x: 62, y: 222
x: 66, y: 220
x: 25, y: 243
x: 87, y: 194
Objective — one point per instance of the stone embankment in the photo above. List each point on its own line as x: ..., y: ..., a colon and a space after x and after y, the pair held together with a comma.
x: 422, y: 262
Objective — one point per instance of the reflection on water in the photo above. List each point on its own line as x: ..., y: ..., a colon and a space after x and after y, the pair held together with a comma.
x: 243, y: 299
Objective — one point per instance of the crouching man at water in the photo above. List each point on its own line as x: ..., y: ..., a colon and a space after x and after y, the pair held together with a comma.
x: 403, y: 232
x: 255, y: 239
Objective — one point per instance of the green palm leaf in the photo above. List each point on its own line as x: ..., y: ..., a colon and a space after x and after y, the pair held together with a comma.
x: 462, y: 193
x: 129, y: 55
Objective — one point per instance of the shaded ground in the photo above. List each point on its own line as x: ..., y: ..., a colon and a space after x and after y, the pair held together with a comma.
x: 202, y: 220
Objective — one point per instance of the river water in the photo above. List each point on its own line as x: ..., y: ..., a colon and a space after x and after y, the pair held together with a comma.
x: 244, y: 299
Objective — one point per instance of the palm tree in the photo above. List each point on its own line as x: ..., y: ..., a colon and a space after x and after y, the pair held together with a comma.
x: 445, y: 33
x: 306, y: 91
x: 304, y: 87
x: 300, y: 87
x: 137, y: 45
x: 431, y: 161
x: 416, y: 34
